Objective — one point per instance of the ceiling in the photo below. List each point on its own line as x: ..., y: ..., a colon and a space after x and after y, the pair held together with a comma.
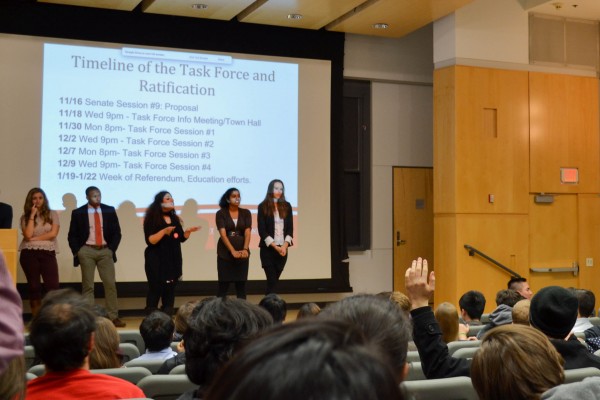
x: 351, y: 16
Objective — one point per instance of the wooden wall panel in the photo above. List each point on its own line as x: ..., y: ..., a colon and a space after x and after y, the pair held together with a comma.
x: 501, y: 237
x: 564, y: 132
x: 492, y: 140
x: 589, y: 243
x: 553, y: 241
x: 444, y: 156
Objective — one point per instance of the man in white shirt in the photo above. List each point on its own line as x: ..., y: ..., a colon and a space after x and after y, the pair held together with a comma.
x: 157, y: 330
x: 587, y: 303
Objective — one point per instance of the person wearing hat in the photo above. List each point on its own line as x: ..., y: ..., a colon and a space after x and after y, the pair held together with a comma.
x: 553, y: 311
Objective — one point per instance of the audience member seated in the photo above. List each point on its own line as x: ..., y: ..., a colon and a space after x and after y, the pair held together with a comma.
x: 520, y: 312
x: 217, y: 328
x: 515, y: 362
x: 553, y: 311
x: 157, y: 331
x: 587, y: 304
x: 381, y: 321
x: 588, y: 389
x: 105, y: 353
x: 12, y: 361
x: 181, y: 319
x: 275, y: 306
x: 308, y: 310
x: 317, y: 359
x: 62, y: 335
x: 399, y: 298
x: 502, y: 315
x: 521, y: 286
x: 447, y: 317
x: 472, y: 305
x: 181, y: 324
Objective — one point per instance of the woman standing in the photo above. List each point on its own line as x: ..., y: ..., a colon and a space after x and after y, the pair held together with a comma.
x: 38, y: 249
x: 164, y: 234
x: 233, y: 255
x: 276, y: 230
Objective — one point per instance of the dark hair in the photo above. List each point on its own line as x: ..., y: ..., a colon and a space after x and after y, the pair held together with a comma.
x: 313, y: 359
x: 154, y: 212
x: 224, y: 201
x: 61, y: 331
x: 90, y: 189
x: 473, y: 302
x: 508, y: 297
x: 381, y: 321
x: 268, y: 205
x: 587, y: 302
x: 157, y: 331
x: 512, y: 283
x: 308, y: 310
x: 275, y: 306
x: 216, y: 328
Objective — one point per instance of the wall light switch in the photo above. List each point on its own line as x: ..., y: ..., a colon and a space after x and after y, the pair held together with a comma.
x: 589, y: 262
x: 491, y: 198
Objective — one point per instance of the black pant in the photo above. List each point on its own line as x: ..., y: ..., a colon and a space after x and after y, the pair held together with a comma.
x: 273, y: 265
x: 158, y: 290
x: 240, y: 289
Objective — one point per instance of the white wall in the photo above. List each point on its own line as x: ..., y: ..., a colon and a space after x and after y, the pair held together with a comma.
x: 401, y: 71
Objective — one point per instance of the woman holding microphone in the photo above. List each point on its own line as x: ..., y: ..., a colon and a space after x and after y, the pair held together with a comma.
x: 164, y: 233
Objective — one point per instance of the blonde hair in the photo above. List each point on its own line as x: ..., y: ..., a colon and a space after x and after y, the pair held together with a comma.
x: 399, y: 298
x: 12, y: 380
x: 520, y: 312
x: 183, y: 315
x: 105, y: 353
x: 447, y: 316
x: 308, y: 310
x: 515, y: 362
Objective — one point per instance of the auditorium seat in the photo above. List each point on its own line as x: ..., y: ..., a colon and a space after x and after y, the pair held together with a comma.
x: 461, y: 344
x: 576, y: 375
x: 152, y: 365
x: 595, y: 321
x: 37, y: 370
x: 132, y: 336
x: 465, y: 352
x: 474, y: 330
x: 485, y: 319
x: 29, y: 376
x: 415, y: 372
x: 166, y: 387
x: 129, y: 351
x: 457, y: 388
x: 412, y: 356
x: 130, y: 374
x: 178, y: 370
x: 29, y: 354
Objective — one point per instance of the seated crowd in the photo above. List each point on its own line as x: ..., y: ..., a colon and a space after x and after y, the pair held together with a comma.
x: 355, y: 348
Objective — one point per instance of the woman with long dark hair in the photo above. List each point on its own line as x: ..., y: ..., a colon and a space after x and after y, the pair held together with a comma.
x: 276, y: 230
x: 40, y: 227
x: 233, y: 254
x: 164, y: 233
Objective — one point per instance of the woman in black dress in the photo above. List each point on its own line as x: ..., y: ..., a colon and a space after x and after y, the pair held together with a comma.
x: 276, y: 230
x: 164, y: 234
x: 234, y: 225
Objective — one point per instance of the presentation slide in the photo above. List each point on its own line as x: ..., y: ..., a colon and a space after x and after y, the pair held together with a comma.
x: 135, y: 120
x: 197, y: 123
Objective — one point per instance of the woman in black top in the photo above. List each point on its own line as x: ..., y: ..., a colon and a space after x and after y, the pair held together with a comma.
x: 276, y: 230
x: 234, y: 225
x: 164, y: 234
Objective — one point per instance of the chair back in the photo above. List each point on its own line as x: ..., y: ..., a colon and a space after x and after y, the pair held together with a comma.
x: 485, y: 318
x: 595, y: 321
x: 130, y: 374
x: 37, y: 370
x: 412, y: 356
x: 461, y: 344
x: 465, y: 352
x: 29, y: 376
x: 178, y: 370
x: 129, y: 351
x: 132, y: 336
x: 166, y: 387
x: 457, y: 388
x: 152, y: 365
x: 415, y: 372
x: 29, y: 353
x: 474, y: 330
x: 579, y: 374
